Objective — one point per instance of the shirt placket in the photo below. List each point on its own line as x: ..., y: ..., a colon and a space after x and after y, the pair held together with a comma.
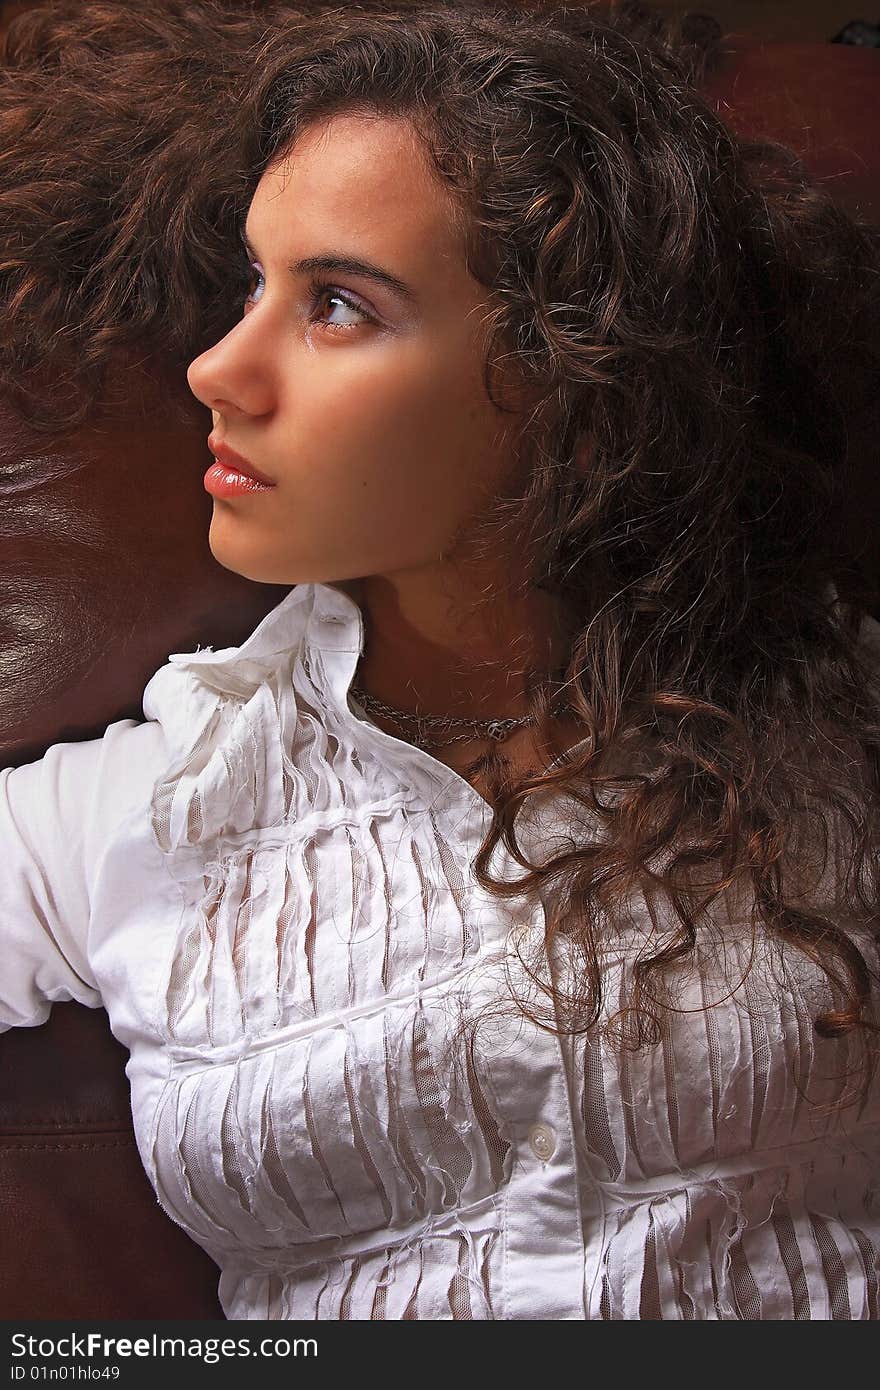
x: 543, y: 1259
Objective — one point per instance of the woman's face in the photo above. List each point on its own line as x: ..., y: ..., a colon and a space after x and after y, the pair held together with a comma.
x: 362, y: 403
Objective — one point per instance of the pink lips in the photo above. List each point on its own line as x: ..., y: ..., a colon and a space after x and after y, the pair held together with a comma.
x: 230, y: 475
x: 235, y: 463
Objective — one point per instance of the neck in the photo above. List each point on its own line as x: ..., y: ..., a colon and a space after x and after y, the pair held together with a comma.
x: 423, y: 654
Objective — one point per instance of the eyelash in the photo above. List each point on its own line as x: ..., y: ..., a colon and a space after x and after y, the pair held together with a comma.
x: 318, y: 290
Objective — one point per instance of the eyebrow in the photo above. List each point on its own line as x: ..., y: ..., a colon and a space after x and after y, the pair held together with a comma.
x: 330, y: 261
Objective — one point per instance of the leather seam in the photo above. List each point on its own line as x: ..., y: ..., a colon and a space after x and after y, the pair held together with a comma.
x: 8, y: 1146
x: 49, y: 1126
x: 70, y: 1122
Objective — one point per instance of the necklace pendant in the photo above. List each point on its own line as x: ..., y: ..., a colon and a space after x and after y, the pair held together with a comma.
x: 496, y: 729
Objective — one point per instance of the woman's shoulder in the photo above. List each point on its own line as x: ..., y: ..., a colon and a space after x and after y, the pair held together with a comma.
x: 80, y: 791
x: 60, y: 817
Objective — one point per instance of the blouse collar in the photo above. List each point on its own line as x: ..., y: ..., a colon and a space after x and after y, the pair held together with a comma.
x: 326, y: 616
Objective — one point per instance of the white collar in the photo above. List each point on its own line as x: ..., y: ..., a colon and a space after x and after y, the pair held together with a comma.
x: 327, y: 616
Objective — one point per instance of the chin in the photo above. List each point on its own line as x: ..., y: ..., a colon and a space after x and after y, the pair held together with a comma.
x: 263, y: 569
x: 248, y: 570
x: 232, y: 558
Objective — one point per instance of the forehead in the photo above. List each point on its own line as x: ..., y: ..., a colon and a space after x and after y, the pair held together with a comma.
x: 366, y: 182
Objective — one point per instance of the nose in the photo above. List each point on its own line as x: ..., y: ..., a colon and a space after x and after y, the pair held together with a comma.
x: 234, y: 376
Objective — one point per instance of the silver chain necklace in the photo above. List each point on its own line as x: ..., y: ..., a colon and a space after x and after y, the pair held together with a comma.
x: 423, y: 724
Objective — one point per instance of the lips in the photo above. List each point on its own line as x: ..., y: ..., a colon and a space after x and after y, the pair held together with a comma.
x: 230, y: 459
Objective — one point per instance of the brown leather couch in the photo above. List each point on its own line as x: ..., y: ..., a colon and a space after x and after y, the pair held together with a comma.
x: 81, y: 1233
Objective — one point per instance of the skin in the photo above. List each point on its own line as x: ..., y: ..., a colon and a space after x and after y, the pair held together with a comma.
x: 378, y: 434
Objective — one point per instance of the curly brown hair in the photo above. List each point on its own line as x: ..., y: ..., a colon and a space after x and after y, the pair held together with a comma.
x: 118, y: 182
x: 675, y: 297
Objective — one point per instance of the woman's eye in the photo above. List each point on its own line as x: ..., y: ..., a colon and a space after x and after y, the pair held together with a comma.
x: 322, y: 295
x: 253, y: 275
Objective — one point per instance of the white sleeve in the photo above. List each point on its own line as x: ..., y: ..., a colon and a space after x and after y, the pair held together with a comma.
x: 56, y: 817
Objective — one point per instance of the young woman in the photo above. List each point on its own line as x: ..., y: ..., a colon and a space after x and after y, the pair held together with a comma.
x: 494, y: 932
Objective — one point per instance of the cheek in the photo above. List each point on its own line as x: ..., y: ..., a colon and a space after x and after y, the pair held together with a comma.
x: 410, y: 414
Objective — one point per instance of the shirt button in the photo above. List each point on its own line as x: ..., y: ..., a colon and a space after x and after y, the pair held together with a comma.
x: 542, y: 1142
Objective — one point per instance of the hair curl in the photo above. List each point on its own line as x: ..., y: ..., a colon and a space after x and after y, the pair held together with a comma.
x: 675, y: 297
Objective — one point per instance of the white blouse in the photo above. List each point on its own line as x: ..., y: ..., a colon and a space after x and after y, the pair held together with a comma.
x: 273, y: 899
